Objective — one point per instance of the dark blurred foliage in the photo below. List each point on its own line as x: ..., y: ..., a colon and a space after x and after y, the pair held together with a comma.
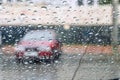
x: 74, y: 35
x: 90, y: 2
x: 102, y: 2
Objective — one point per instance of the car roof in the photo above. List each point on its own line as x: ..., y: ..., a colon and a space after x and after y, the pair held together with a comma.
x: 43, y: 31
x: 38, y: 33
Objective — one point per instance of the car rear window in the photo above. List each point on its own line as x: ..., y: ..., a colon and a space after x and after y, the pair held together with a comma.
x: 43, y: 35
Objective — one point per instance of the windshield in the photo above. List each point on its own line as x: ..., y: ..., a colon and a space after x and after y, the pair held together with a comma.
x: 84, y: 39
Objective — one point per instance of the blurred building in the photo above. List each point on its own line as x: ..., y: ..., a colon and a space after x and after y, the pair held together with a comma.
x: 54, y: 12
x: 55, y: 2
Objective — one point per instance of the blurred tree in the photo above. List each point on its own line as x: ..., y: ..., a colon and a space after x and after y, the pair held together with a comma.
x: 102, y: 2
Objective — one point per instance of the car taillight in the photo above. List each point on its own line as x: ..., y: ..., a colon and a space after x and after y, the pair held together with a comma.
x: 54, y: 44
x: 19, y: 54
x: 44, y: 53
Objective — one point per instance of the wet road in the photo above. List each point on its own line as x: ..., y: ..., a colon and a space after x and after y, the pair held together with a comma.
x: 92, y: 68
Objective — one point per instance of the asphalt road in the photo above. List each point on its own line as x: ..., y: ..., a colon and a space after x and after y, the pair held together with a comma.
x: 93, y: 67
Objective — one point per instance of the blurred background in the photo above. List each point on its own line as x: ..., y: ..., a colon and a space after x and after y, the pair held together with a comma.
x: 88, y: 29
x: 76, y: 21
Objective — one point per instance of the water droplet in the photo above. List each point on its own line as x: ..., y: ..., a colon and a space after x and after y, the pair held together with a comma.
x: 44, y: 8
x: 39, y: 25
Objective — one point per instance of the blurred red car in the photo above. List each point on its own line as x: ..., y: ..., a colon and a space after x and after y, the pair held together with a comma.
x: 41, y: 45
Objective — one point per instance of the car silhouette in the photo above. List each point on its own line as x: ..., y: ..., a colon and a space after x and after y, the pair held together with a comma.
x: 38, y: 45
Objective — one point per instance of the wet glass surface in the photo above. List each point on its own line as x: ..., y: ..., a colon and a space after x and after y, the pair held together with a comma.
x: 59, y: 39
